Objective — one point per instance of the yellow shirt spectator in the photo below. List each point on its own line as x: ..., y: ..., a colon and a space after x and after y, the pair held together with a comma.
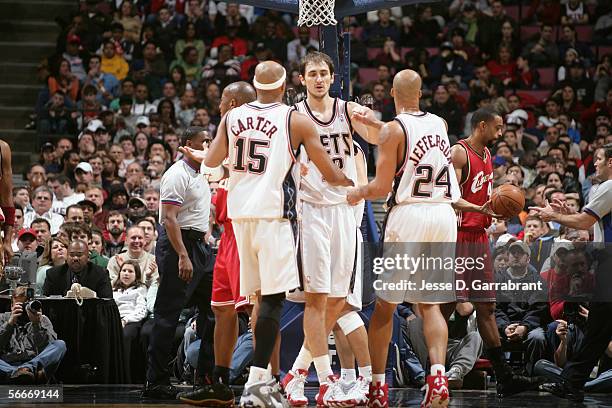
x: 113, y: 63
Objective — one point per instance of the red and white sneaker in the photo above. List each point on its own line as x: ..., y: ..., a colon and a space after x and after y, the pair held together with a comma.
x: 293, y: 384
x: 331, y: 394
x: 436, y: 392
x: 378, y: 395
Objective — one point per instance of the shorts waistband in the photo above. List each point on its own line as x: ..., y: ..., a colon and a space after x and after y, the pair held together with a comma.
x: 193, y: 234
x: 471, y: 229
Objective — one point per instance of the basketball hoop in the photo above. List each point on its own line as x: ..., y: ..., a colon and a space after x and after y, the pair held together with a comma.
x: 316, y: 13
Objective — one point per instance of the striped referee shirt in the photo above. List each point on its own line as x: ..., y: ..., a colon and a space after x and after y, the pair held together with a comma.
x: 184, y: 187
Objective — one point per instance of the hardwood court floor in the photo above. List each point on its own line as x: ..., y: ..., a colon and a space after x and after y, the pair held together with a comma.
x: 124, y: 396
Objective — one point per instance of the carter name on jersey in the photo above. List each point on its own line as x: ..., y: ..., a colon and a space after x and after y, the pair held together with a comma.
x: 254, y: 123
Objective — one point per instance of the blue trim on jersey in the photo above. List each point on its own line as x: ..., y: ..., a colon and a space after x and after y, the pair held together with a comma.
x: 606, y: 223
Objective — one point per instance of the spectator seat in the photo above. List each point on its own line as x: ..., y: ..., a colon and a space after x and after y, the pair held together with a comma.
x: 547, y: 77
x: 373, y: 52
x: 367, y: 75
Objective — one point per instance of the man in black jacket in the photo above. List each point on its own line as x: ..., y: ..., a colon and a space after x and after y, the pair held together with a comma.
x: 521, y: 313
x: 78, y: 269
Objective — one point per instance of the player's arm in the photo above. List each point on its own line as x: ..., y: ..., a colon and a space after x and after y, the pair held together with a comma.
x: 304, y: 132
x: 6, y: 202
x: 391, y: 139
x: 360, y: 165
x: 364, y: 122
x: 583, y: 220
x: 218, y: 150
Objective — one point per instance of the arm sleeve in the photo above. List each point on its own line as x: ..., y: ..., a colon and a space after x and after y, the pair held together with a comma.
x: 42, y: 333
x: 6, y: 330
x: 502, y: 320
x: 601, y: 201
x: 173, y: 189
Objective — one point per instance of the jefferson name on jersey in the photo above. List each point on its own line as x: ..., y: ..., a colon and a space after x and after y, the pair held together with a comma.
x: 426, y: 143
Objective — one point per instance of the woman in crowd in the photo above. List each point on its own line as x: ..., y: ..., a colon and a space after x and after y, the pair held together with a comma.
x: 126, y: 15
x: 190, y: 39
x: 62, y: 79
x: 56, y: 250
x: 141, y: 144
x: 167, y: 115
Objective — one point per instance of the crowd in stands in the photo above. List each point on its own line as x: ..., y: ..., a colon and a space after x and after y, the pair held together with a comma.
x: 128, y: 76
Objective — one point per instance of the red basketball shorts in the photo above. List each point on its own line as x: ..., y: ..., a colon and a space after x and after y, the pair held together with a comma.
x: 226, y: 275
x: 472, y: 278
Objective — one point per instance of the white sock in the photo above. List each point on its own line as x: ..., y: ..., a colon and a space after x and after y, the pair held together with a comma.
x: 257, y: 374
x: 366, y: 372
x: 437, y: 367
x: 303, y: 360
x: 323, y: 367
x: 348, y: 374
x: 378, y: 378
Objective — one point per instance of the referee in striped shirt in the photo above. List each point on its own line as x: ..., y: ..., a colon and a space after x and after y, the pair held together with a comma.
x: 185, y: 264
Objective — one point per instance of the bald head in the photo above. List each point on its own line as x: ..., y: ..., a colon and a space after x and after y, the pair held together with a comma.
x: 407, y: 85
x: 236, y: 94
x: 269, y: 72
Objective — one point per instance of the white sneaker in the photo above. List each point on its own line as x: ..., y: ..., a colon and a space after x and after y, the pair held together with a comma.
x: 359, y: 392
x: 264, y: 394
x: 293, y: 384
x: 331, y: 395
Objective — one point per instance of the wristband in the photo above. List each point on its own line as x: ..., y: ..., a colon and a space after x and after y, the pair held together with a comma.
x: 9, y: 216
x: 213, y: 174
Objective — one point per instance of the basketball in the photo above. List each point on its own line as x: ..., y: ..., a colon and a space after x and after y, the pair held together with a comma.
x: 507, y: 200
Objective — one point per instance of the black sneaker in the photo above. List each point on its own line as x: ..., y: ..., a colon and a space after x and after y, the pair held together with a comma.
x: 563, y: 391
x: 210, y: 395
x: 516, y: 384
x: 159, y: 391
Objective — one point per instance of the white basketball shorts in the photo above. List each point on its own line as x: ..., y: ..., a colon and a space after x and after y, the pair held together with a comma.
x: 268, y: 256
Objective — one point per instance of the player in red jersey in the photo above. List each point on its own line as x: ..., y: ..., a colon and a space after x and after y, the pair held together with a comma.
x: 474, y: 170
x: 226, y: 299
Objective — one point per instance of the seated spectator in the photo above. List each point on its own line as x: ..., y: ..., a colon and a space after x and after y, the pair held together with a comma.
x: 130, y: 295
x: 74, y: 57
x: 232, y: 18
x: 151, y: 197
x: 583, y: 86
x: 134, y: 252
x: 136, y: 210
x: 574, y: 12
x: 552, y: 115
x: 17, y: 227
x: 461, y: 47
x: 489, y: 33
x: 447, y: 108
x: 275, y: 39
x: 27, y: 240
x: 55, y: 254
x: 141, y: 106
x: 190, y: 39
x: 571, y: 55
x: 540, y: 238
x: 547, y: 12
x: 187, y: 109
x: 62, y: 79
x: 56, y: 116
x: 167, y: 27
x: 43, y: 232
x: 230, y: 37
x: 74, y: 213
x: 83, y: 174
x: 41, y: 204
x: 569, y: 39
x: 150, y: 234
x: 126, y: 92
x: 97, y: 246
x: 78, y: 269
x: 88, y: 108
x: 106, y: 85
x: 503, y: 67
x: 114, y: 234
x: 569, y: 100
x: 377, y: 33
x: 112, y: 63
x: 521, y: 314
x: 31, y: 352
x: 260, y: 54
x: 509, y: 38
x: 126, y: 16
x: 297, y: 49
x: 225, y: 68
x: 551, y: 138
x: 449, y: 66
x: 524, y: 76
x: 543, y: 51
x: 603, y: 28
x: 188, y: 60
x: 426, y: 28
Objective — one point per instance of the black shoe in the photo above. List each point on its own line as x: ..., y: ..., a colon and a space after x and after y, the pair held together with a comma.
x: 159, y: 391
x: 22, y: 376
x: 516, y: 384
x: 563, y: 391
x: 210, y: 395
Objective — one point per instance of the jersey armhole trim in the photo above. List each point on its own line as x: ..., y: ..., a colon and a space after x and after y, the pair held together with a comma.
x: 406, y: 148
x: 288, y: 124
x: 348, y: 118
x: 592, y: 213
x: 467, y: 156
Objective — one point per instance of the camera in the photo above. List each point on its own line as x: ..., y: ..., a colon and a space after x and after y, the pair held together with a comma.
x: 31, y: 305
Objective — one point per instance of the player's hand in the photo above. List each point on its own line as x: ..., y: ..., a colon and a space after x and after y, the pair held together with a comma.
x: 561, y: 207
x: 545, y: 213
x: 354, y: 196
x: 487, y: 209
x: 197, y: 156
x: 365, y: 116
x: 185, y: 268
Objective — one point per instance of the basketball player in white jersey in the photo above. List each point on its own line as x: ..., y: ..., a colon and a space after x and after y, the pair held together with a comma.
x: 414, y: 161
x: 261, y: 139
x: 328, y: 231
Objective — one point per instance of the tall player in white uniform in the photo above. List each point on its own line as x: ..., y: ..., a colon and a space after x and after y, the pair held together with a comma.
x: 328, y: 231
x: 414, y: 161
x: 261, y: 139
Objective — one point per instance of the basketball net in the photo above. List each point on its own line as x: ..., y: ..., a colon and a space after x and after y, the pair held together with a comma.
x: 316, y: 12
